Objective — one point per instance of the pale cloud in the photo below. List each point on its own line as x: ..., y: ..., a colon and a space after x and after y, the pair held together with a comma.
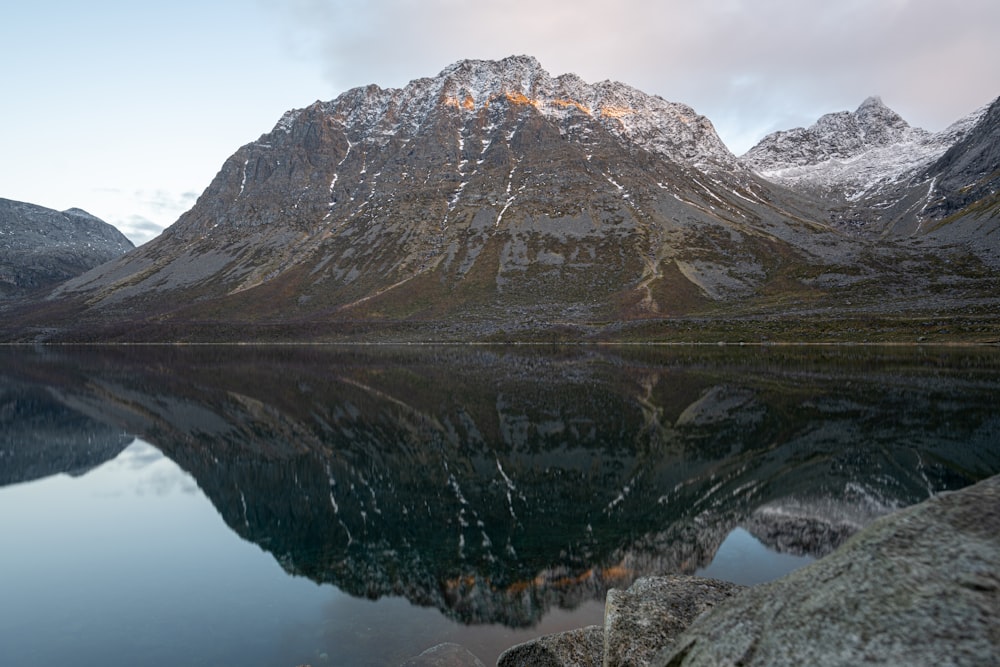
x: 138, y: 229
x: 141, y: 214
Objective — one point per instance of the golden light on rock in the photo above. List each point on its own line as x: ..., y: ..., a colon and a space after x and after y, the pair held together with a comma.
x: 616, y: 112
x: 521, y: 98
x: 571, y: 103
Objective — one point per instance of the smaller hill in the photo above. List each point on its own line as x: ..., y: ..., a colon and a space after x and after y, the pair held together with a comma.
x: 41, y: 247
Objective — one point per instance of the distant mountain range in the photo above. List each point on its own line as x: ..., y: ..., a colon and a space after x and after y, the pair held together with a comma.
x: 40, y: 248
x: 496, y: 202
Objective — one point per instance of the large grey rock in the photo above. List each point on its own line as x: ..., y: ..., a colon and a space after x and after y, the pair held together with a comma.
x: 919, y: 587
x: 653, y: 612
x: 575, y: 648
x: 445, y: 655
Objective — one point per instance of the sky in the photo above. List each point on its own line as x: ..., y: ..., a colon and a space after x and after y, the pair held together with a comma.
x: 129, y: 109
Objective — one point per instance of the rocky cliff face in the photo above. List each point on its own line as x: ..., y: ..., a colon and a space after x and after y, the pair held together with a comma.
x: 40, y: 247
x: 967, y: 177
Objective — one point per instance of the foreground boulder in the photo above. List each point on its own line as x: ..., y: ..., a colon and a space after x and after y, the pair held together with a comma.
x: 445, y: 655
x: 919, y: 587
x: 580, y: 648
x: 637, y: 623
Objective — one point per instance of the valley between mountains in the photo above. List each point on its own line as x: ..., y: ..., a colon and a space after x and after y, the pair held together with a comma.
x: 495, y: 202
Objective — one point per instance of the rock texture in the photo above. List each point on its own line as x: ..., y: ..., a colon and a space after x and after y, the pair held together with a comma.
x: 40, y: 247
x: 445, y: 655
x: 575, y: 648
x: 640, y: 621
x: 919, y: 587
x: 968, y: 174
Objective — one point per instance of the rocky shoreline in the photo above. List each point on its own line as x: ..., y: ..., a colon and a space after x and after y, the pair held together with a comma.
x: 918, y: 587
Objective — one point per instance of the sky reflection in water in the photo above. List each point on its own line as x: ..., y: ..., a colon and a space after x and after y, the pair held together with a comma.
x: 131, y: 564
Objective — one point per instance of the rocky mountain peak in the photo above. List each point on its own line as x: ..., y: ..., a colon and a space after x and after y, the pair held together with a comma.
x: 479, y: 87
x: 852, y: 153
x: 879, y: 124
x: 493, y: 193
x: 841, y: 135
x: 514, y: 73
x: 967, y: 175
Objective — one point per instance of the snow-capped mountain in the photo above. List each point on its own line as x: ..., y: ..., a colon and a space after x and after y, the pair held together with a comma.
x: 672, y: 130
x: 853, y: 154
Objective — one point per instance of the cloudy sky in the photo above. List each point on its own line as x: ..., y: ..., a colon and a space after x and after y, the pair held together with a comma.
x: 128, y: 109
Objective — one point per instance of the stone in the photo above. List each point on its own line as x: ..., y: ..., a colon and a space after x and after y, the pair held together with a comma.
x: 445, y: 655
x: 918, y: 587
x: 640, y: 621
x: 575, y: 648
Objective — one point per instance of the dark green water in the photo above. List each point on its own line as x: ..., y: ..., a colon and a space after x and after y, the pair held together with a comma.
x: 352, y: 506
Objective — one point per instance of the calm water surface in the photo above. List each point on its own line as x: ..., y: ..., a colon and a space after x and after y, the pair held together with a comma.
x: 324, y: 506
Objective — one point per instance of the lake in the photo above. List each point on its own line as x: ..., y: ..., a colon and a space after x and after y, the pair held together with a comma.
x: 273, y: 506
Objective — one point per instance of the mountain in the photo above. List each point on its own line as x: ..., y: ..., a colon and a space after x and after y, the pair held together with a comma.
x: 852, y: 153
x: 880, y: 176
x: 40, y: 247
x: 495, y: 201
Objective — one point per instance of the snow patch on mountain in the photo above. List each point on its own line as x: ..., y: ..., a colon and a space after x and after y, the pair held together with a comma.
x: 856, y: 153
x: 672, y: 130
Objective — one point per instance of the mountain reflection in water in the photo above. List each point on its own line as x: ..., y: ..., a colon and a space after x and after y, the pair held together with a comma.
x: 497, y: 483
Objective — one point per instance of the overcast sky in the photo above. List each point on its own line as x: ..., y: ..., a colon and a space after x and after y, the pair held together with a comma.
x: 128, y: 109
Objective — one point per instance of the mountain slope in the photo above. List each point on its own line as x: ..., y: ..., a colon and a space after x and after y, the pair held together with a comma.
x: 40, y: 247
x: 969, y: 172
